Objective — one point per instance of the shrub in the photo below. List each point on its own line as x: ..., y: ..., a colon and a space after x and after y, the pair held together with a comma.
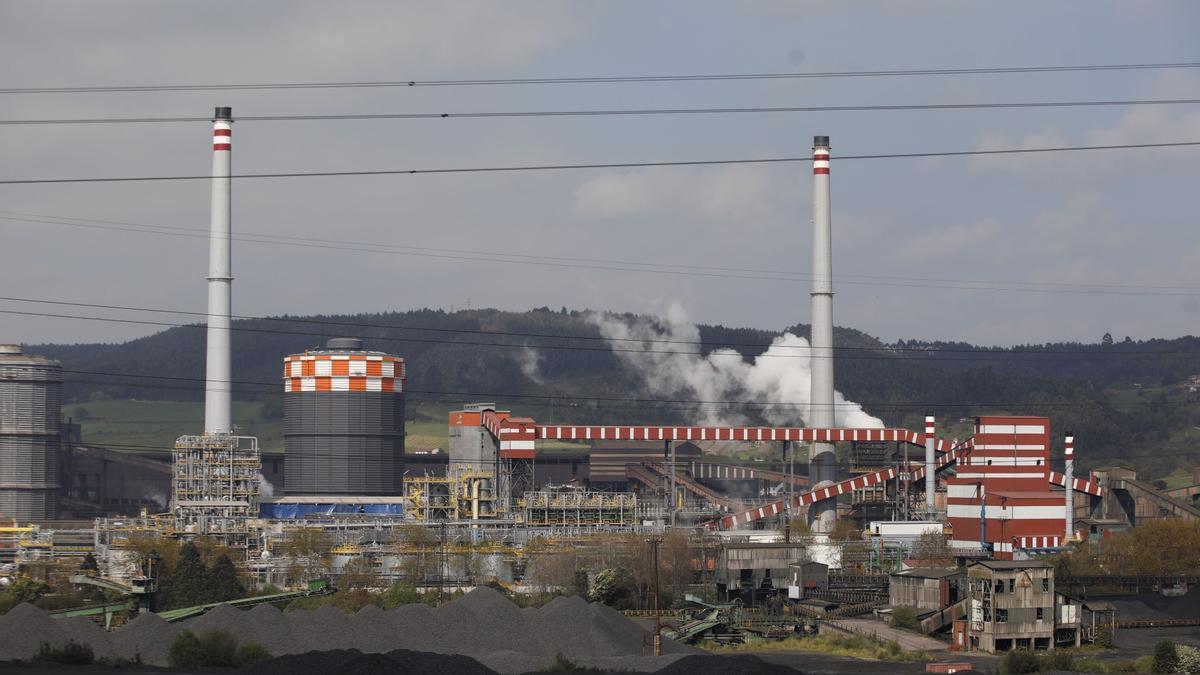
x: 1020, y: 661
x: 72, y: 653
x: 400, y: 594
x: 1104, y: 638
x: 210, y: 648
x: 905, y: 617
x: 1188, y: 659
x: 1165, y: 657
x: 251, y: 653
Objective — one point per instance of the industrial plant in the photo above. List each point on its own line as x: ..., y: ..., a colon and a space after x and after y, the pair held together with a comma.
x: 492, y: 506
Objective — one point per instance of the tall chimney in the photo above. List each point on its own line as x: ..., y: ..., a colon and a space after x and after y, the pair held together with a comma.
x: 822, y: 460
x: 1069, y: 482
x: 930, y: 467
x: 217, y: 384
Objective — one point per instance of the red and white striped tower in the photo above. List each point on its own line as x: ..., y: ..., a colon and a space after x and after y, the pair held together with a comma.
x: 1069, y: 482
x: 218, y: 383
x: 930, y: 467
x: 822, y: 461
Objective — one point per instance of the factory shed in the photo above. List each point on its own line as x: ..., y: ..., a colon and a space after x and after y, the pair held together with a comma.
x: 925, y: 589
x: 1012, y: 605
x: 807, y: 577
x: 745, y: 569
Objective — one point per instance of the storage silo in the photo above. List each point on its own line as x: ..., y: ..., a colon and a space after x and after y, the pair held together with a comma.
x: 30, y: 435
x: 343, y: 429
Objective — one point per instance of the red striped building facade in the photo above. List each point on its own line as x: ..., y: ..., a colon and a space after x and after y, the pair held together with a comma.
x: 1009, y: 467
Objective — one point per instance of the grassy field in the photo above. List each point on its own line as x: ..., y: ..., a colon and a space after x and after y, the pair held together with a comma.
x: 145, y: 425
x: 135, y: 425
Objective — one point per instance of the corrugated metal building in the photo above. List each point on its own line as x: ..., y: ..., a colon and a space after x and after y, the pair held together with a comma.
x: 925, y: 589
x: 748, y: 568
x: 30, y: 435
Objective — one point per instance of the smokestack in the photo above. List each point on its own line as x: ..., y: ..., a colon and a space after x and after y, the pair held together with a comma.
x: 217, y: 384
x: 930, y: 468
x: 822, y: 461
x: 1069, y: 476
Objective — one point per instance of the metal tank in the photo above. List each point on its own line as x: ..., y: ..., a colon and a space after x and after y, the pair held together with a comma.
x: 343, y: 428
x: 30, y: 435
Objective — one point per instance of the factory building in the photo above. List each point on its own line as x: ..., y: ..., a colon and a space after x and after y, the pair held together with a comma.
x: 1000, y: 498
x: 925, y: 589
x: 30, y: 435
x: 1012, y: 605
x: 344, y: 421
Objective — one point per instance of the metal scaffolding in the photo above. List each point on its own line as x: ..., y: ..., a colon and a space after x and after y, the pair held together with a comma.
x: 580, y: 508
x: 214, y: 486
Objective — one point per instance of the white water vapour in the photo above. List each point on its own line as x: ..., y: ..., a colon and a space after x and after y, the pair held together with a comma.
x: 777, y: 382
x: 265, y: 489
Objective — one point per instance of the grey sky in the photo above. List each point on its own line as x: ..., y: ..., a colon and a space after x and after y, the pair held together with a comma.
x: 1125, y: 218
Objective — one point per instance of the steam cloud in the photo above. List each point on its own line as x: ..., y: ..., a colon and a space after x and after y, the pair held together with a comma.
x: 658, y: 350
x: 265, y: 489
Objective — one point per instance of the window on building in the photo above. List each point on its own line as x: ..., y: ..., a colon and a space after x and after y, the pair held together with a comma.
x: 1040, y: 613
x: 1000, y: 586
x: 1045, y: 584
x: 1012, y: 585
x: 1001, y: 616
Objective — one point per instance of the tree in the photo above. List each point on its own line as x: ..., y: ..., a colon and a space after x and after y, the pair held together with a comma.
x: 223, y: 581
x: 1165, y: 657
x: 358, y: 573
x: 187, y: 583
x: 614, y: 587
x: 308, y: 549
x: 1107, y: 340
x: 844, y: 530
x: 930, y: 545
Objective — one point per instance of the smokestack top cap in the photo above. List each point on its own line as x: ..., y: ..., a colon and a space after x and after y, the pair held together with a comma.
x: 820, y: 141
x: 348, y: 344
x: 223, y: 113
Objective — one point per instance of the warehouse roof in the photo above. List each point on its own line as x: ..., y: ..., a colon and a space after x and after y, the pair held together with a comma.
x: 927, y: 573
x: 1012, y: 564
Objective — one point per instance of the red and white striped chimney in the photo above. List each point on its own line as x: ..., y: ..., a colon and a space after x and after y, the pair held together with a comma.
x: 822, y: 460
x: 217, y: 380
x: 1069, y: 482
x: 930, y: 467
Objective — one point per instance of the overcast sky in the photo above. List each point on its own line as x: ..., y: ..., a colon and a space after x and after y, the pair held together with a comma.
x: 1025, y: 228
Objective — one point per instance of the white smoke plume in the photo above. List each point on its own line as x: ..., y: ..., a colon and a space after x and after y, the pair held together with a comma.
x: 265, y: 489
x: 659, y: 351
x: 530, y: 361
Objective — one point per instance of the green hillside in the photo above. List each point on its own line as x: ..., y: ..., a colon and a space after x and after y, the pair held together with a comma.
x: 1127, y: 402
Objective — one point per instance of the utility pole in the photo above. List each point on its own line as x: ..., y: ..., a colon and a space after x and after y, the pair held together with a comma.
x: 654, y: 542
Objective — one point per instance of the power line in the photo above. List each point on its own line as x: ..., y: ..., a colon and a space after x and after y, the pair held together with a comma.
x: 996, y: 105
x: 614, y: 79
x: 602, y: 264
x: 607, y: 165
x: 199, y: 382
x: 873, y: 354
x: 921, y: 351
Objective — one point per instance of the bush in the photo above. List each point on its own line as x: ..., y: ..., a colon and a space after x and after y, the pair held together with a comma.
x: 1188, y: 659
x: 1020, y: 661
x: 251, y: 653
x: 400, y: 594
x: 1104, y: 638
x: 72, y: 653
x: 906, y: 618
x: 1165, y: 658
x: 212, y: 648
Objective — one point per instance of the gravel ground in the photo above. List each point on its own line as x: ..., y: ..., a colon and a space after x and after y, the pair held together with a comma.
x: 482, y: 624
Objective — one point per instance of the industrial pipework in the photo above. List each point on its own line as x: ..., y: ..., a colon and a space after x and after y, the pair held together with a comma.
x: 217, y: 380
x: 822, y: 460
x: 1069, y: 482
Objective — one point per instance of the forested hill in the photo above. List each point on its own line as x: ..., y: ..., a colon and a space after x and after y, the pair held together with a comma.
x: 1123, y: 399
